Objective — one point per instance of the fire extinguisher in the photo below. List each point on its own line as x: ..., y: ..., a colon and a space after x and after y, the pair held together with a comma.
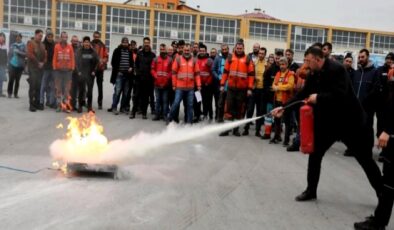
x: 307, y: 129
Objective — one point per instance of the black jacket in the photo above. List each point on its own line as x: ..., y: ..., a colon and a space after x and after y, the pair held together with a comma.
x: 337, y: 108
x: 115, y: 62
x: 268, y: 79
x: 49, y: 47
x: 294, y: 67
x: 387, y: 121
x: 367, y: 86
x: 143, y: 65
x: 87, y: 61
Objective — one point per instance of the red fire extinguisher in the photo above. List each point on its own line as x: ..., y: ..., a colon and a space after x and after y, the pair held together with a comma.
x: 307, y: 129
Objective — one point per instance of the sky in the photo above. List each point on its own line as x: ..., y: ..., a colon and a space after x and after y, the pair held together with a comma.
x: 363, y: 14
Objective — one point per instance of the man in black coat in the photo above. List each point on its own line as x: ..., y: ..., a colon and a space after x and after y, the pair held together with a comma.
x: 338, y: 115
x: 382, y: 214
x: 144, y: 80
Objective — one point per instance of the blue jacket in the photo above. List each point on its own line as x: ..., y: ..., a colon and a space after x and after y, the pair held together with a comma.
x: 218, y: 69
x: 17, y: 55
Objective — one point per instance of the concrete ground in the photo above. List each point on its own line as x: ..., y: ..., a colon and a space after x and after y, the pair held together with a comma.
x: 215, y: 183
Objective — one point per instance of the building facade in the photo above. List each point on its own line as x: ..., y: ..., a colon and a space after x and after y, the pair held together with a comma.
x: 163, y: 25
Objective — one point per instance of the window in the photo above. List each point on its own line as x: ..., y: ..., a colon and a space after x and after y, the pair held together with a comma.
x: 382, y: 43
x: 303, y: 37
x: 218, y: 30
x: 174, y: 26
x: 28, y: 12
x: 127, y: 21
x: 79, y: 16
x: 171, y: 6
x: 346, y: 39
x: 268, y: 31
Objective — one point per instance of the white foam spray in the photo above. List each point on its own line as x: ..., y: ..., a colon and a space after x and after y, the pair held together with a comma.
x: 123, y: 152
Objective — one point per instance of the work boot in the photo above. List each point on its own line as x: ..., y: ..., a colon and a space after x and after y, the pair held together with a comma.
x: 236, y: 132
x: 245, y: 132
x: 293, y: 148
x: 32, y: 108
x: 224, y: 134
x: 306, y: 196
x: 40, y: 107
x: 368, y: 224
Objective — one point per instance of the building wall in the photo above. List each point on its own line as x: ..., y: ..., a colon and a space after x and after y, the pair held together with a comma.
x: 162, y: 25
x: 164, y: 3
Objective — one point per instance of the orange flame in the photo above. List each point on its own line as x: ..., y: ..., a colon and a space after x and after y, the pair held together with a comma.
x: 84, y: 140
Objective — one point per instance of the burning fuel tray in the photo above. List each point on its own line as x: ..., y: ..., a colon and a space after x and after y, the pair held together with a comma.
x: 92, y: 170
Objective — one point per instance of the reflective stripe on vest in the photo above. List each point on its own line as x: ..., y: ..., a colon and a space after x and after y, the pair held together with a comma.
x: 162, y: 74
x: 185, y: 75
x: 234, y: 73
x: 204, y: 74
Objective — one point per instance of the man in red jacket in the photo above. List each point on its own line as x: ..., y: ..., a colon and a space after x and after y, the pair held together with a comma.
x: 101, y: 50
x: 205, y: 65
x: 161, y: 72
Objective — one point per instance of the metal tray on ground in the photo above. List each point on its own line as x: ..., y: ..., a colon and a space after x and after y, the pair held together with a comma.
x: 92, y: 170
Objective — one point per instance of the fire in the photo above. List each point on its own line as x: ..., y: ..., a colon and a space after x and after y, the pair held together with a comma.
x: 84, y: 141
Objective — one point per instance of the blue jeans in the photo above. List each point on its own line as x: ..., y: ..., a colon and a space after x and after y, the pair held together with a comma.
x: 161, y: 105
x: 188, y: 96
x: 121, y: 87
x: 48, y: 88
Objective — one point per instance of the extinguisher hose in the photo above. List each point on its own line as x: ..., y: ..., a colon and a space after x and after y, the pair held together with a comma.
x: 286, y: 107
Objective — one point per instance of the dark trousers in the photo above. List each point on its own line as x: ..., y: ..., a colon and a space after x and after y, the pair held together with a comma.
x: 221, y: 105
x: 386, y: 200
x: 89, y: 95
x: 75, y: 80
x: 286, y: 119
x: 356, y: 139
x: 216, y: 96
x: 82, y: 87
x: 256, y: 100
x: 15, y: 76
x: 197, y: 109
x: 130, y: 94
x: 35, y: 86
x: 161, y: 102
x: 236, y: 103
x: 99, y: 79
x: 144, y: 89
x: 152, y: 103
x: 207, y: 97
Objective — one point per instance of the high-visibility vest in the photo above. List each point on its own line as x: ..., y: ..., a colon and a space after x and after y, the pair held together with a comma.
x: 239, y: 71
x: 185, y: 73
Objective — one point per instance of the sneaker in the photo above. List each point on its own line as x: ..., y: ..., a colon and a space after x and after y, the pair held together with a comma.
x: 109, y: 110
x: 236, y: 133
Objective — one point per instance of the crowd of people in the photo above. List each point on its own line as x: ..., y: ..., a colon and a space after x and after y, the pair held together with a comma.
x: 222, y: 85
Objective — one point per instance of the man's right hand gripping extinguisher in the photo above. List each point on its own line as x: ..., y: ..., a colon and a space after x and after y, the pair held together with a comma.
x: 307, y: 129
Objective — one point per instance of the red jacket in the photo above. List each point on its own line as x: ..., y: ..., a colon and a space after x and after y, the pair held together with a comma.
x: 102, y: 52
x: 185, y: 74
x: 239, y: 71
x: 161, y: 71
x: 205, y: 66
x: 63, y: 57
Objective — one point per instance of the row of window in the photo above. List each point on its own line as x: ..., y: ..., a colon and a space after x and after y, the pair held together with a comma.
x: 178, y: 26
